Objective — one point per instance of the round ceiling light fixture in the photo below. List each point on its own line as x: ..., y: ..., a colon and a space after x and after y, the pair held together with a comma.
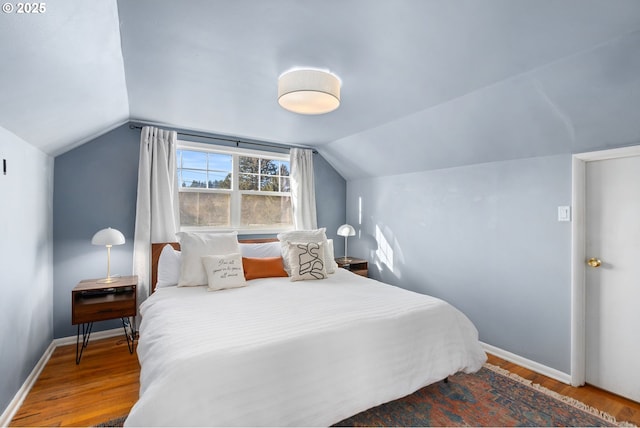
x: 309, y: 91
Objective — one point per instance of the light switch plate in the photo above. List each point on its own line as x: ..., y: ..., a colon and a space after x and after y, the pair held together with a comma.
x: 564, y: 213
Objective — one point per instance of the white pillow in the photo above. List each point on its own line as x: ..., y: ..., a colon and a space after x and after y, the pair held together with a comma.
x: 224, y: 271
x: 306, y: 260
x: 329, y: 257
x: 261, y: 250
x: 168, y: 267
x: 316, y: 235
x: 196, y: 245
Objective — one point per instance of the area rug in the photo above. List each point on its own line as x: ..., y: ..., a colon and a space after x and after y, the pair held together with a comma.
x: 490, y: 397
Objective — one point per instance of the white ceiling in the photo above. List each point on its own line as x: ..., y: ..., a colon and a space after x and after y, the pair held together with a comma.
x: 425, y: 84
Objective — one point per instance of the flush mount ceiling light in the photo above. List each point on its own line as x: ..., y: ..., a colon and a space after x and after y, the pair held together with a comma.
x: 309, y: 91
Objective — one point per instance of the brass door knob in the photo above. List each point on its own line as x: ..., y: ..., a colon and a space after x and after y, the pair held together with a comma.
x: 593, y: 262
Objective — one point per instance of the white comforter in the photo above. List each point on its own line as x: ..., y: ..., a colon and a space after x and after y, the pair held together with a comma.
x: 281, y: 353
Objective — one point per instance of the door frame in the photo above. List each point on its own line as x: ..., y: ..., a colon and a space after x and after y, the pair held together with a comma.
x: 578, y: 255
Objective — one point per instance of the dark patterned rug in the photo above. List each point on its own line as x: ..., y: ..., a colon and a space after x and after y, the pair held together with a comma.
x: 491, y: 397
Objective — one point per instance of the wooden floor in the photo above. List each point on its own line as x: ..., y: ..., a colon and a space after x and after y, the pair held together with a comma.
x: 105, y: 386
x: 618, y: 407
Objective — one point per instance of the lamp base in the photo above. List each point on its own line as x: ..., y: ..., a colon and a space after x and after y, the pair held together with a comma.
x: 109, y: 280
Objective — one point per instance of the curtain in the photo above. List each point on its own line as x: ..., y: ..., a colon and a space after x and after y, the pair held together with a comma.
x: 303, y: 191
x: 157, y: 211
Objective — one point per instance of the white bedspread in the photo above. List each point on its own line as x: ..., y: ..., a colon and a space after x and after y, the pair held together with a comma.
x: 281, y: 353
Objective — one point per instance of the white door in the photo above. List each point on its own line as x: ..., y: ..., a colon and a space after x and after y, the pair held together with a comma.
x: 613, y: 288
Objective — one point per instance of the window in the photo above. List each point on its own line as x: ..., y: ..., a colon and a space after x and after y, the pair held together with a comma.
x: 233, y: 189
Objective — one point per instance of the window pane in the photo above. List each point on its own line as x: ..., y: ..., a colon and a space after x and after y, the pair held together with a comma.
x: 265, y: 211
x: 285, y: 182
x: 248, y: 182
x: 193, y: 160
x: 269, y: 167
x: 220, y: 162
x: 248, y: 164
x: 269, y: 184
x: 284, y: 168
x: 191, y: 178
x: 219, y: 180
x: 205, y: 209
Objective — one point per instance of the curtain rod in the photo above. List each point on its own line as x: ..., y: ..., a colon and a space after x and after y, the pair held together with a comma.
x: 237, y: 141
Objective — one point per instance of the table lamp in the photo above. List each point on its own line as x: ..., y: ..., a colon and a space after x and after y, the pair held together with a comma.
x: 108, y: 237
x: 346, y: 230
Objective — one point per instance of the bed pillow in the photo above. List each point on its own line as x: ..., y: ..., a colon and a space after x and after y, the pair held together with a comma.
x: 263, y: 267
x: 306, y: 260
x: 261, y: 249
x: 196, y: 245
x: 315, y: 235
x: 224, y: 271
x: 168, y: 267
x: 329, y: 257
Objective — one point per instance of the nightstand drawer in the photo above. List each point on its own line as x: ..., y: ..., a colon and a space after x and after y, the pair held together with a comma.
x: 101, y: 308
x: 361, y: 272
x: 357, y: 266
x: 89, y: 308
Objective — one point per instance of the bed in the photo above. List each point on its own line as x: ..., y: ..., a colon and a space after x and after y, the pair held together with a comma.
x: 283, y: 353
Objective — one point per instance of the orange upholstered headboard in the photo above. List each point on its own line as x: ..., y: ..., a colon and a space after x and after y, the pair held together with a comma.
x: 156, y: 249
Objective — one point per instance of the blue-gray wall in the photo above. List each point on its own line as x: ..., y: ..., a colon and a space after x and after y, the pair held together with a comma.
x: 95, y: 187
x: 26, y: 269
x: 484, y: 237
x: 331, y: 196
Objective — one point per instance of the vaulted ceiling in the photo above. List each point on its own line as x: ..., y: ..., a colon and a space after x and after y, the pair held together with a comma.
x: 425, y: 83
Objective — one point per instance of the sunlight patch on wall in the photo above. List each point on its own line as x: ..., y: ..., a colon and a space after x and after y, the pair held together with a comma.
x: 384, y: 253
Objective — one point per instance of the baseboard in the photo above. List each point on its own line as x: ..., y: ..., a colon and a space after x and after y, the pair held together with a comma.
x: 528, y: 364
x: 97, y: 335
x: 18, y: 399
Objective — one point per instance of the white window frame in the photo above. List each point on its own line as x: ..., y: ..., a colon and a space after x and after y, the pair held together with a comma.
x: 235, y: 192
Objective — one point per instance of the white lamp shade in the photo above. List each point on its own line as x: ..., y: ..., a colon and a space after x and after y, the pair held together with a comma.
x: 346, y: 230
x: 108, y: 236
x: 309, y: 91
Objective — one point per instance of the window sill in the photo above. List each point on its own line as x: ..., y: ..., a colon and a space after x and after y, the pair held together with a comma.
x: 240, y: 231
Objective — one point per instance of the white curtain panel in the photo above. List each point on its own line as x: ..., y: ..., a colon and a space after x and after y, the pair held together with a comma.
x: 303, y: 191
x: 157, y: 211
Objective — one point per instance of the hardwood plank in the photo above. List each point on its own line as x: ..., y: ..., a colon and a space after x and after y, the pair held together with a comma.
x: 105, y: 386
x: 619, y: 407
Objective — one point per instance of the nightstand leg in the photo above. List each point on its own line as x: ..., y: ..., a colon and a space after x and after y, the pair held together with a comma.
x: 130, y: 333
x: 86, y: 333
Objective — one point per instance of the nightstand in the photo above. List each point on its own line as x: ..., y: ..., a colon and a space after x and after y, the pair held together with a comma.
x: 357, y: 266
x: 92, y: 301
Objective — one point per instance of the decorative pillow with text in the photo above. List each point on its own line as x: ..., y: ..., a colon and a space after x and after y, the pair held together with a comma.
x: 224, y: 271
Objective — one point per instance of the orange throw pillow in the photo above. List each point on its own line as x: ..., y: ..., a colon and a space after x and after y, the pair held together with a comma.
x: 264, y: 267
